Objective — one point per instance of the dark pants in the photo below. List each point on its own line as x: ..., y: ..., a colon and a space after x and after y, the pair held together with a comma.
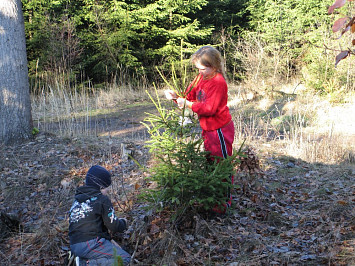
x: 99, y: 252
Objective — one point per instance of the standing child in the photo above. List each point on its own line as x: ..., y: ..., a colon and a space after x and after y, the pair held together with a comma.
x: 207, y: 96
x: 90, y: 219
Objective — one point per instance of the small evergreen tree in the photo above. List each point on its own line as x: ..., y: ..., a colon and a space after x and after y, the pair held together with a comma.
x: 186, y: 179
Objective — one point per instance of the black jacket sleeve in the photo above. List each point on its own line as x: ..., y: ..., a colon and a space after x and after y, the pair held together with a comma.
x: 111, y: 221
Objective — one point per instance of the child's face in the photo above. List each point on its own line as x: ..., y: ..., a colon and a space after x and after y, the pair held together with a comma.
x: 104, y: 191
x: 206, y: 72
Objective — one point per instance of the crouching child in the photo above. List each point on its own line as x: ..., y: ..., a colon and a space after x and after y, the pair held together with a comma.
x: 90, y: 219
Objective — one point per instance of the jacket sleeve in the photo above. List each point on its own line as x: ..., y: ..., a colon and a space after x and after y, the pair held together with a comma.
x: 111, y: 221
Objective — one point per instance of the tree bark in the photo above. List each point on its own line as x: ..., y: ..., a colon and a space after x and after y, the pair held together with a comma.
x: 15, y: 103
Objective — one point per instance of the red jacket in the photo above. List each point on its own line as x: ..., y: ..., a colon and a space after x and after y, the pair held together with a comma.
x: 210, y: 102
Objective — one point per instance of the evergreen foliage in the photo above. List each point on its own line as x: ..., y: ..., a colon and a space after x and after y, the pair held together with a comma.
x: 222, y: 14
x: 290, y: 29
x: 187, y: 179
x: 106, y: 41
x: 288, y: 24
x: 102, y: 38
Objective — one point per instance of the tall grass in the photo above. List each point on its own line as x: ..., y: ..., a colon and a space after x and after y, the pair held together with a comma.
x: 304, y: 126
x: 81, y: 110
x: 307, y: 127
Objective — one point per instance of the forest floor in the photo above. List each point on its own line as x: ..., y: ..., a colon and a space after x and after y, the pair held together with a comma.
x: 289, y: 212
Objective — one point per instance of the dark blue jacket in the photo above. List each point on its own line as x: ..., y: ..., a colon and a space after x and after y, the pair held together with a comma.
x: 91, y: 216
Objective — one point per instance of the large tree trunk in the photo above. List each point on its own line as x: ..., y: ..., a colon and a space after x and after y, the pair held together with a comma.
x: 15, y: 104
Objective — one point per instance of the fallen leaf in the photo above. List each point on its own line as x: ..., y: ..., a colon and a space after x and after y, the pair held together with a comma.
x: 154, y: 229
x: 339, y: 23
x: 342, y: 202
x: 340, y: 57
x: 337, y: 4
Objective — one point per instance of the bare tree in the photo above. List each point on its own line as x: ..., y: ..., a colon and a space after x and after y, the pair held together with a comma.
x: 15, y: 104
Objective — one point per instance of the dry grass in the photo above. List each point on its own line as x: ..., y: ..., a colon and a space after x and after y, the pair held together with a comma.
x: 80, y: 112
x: 294, y: 121
x: 275, y: 108
x: 302, y: 125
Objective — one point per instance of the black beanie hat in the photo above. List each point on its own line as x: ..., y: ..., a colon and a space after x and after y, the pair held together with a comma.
x: 98, y: 177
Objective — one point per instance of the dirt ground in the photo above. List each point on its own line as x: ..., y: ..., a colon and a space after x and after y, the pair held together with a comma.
x: 289, y: 212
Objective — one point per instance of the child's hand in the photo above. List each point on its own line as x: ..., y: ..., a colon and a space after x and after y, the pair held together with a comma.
x: 181, y: 102
x: 170, y: 94
x: 125, y: 222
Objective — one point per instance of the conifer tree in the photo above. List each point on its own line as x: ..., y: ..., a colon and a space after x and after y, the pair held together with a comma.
x: 147, y: 33
x: 186, y: 179
x: 288, y: 24
x: 114, y: 35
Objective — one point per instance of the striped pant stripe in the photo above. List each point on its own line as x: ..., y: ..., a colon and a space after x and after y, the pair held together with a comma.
x: 225, y: 154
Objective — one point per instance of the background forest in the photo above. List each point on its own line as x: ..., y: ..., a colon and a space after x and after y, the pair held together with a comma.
x: 123, y: 41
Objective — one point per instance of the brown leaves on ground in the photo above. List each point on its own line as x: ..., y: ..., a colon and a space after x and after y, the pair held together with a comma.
x: 38, y: 181
x: 284, y: 212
